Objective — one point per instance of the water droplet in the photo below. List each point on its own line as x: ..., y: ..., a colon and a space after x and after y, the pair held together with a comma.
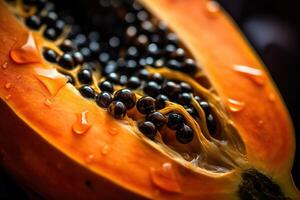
x: 81, y: 124
x: 5, y: 65
x: 48, y: 102
x: 113, y: 131
x: 105, y: 150
x: 212, y: 6
x: 256, y: 75
x: 51, y: 79
x: 26, y: 52
x: 8, y: 97
x: 272, y: 97
x: 235, y: 106
x: 260, y: 123
x: 7, y: 86
x: 165, y: 178
x: 89, y: 158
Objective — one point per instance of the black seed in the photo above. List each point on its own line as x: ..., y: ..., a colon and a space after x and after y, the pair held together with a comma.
x: 143, y: 74
x: 50, y: 55
x: 113, y: 77
x: 106, y: 86
x: 111, y: 67
x: 160, y: 102
x: 94, y: 47
x: 87, y: 92
x: 149, y: 60
x: 205, y: 106
x: 185, y: 134
x: 132, y: 52
x: 103, y: 58
x: 104, y: 99
x: 185, y: 87
x: 157, y: 77
x: 169, y: 49
x: 117, y: 109
x: 159, y: 63
x: 133, y: 82
x: 67, y: 46
x: 184, y: 98
x: 126, y: 96
x: 50, y: 33
x: 174, y: 64
x: 179, y: 54
x: 85, y: 76
x: 59, y: 26
x: 175, y: 121
x: 86, y: 52
x: 189, y: 66
x: 66, y: 61
x: 142, y: 40
x: 33, y: 22
x: 114, y: 42
x: 171, y: 89
x: 78, y: 58
x: 198, y: 99
x: 70, y: 78
x: 123, y: 80
x: 131, y: 31
x: 153, y: 50
x: 94, y: 36
x: 142, y: 15
x: 80, y: 40
x: 130, y: 18
x: 148, y: 129
x: 211, y: 124
x: 145, y: 105
x: 50, y: 18
x: 147, y: 27
x: 131, y: 66
x: 193, y: 112
x: 157, y: 118
x: 152, y: 89
x: 172, y: 38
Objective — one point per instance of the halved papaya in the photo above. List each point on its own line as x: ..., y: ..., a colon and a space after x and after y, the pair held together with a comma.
x: 160, y: 99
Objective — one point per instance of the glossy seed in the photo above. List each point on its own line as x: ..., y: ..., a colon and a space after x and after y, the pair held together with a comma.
x: 50, y: 34
x: 126, y: 96
x: 157, y: 77
x: 185, y: 87
x: 87, y: 92
x: 185, y: 134
x: 113, y: 77
x: 85, y: 76
x: 184, y: 98
x: 205, y: 106
x: 160, y: 102
x: 157, y: 118
x: 50, y: 55
x: 171, y: 89
x: 148, y: 129
x: 106, y: 86
x: 104, y: 99
x: 33, y: 22
x: 175, y: 121
x: 143, y: 74
x: 133, y: 82
x: 78, y: 58
x: 211, y: 124
x: 152, y: 89
x: 66, y: 61
x: 67, y: 46
x: 145, y: 105
x: 117, y: 109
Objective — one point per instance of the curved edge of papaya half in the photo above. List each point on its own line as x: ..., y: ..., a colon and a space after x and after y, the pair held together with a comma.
x: 42, y: 151
x: 240, y: 78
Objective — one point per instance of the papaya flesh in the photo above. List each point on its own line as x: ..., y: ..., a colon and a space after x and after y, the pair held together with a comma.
x: 223, y: 132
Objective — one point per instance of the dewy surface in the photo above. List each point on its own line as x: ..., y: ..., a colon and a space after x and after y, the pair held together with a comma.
x: 132, y: 65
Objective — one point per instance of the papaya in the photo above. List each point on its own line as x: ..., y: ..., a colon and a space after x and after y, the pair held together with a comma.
x: 160, y: 99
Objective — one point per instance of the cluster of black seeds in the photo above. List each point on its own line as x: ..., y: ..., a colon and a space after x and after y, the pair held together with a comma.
x: 119, y: 39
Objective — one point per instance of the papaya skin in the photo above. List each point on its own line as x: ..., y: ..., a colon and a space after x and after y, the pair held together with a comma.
x: 41, y: 150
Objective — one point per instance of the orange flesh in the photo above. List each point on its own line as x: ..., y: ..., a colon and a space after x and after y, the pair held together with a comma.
x: 120, y: 163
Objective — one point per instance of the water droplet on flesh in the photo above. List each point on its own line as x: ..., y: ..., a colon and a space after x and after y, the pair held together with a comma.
x: 51, y: 79
x: 8, y: 97
x: 212, y: 6
x: 81, y: 124
x: 272, y: 97
x: 105, y: 150
x: 4, y: 65
x: 235, y: 106
x: 89, y: 158
x: 26, y: 52
x: 48, y: 102
x: 165, y: 178
x: 113, y: 131
x: 256, y: 75
x: 7, y: 86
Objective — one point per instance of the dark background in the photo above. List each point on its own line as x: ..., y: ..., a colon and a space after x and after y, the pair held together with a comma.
x: 273, y: 27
